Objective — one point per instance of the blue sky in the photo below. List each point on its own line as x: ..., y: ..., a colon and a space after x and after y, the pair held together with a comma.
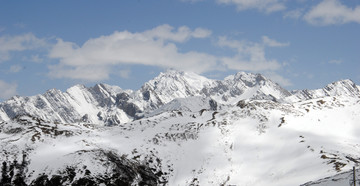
x: 56, y: 44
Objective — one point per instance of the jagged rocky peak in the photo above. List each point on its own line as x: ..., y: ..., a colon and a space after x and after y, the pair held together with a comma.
x: 173, y: 84
x: 249, y: 79
x: 174, y: 80
x: 107, y: 90
x: 342, y: 87
x: 244, y: 85
x: 106, y: 104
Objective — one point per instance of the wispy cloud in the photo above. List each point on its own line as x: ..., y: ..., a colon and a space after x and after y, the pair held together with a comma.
x: 7, y: 89
x: 250, y: 56
x: 273, y: 43
x: 327, y: 12
x: 294, y: 14
x: 336, y: 61
x: 15, y: 68
x: 125, y: 73
x: 23, y: 42
x: 278, y: 79
x: 266, y: 6
x: 20, y: 25
x: 330, y: 12
x: 36, y: 58
x: 155, y: 47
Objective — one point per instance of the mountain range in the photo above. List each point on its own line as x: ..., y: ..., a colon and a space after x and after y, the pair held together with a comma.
x: 109, y: 105
x: 182, y: 129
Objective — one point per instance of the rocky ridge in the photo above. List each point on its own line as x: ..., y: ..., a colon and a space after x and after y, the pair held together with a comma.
x: 110, y: 105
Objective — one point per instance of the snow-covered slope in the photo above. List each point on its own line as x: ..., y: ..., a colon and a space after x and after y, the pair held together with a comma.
x: 258, y: 142
x: 345, y: 178
x: 182, y: 129
x: 190, y: 104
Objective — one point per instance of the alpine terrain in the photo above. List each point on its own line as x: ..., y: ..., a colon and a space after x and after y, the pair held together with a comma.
x: 183, y: 129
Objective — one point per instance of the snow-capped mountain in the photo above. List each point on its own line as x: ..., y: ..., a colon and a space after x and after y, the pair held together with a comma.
x: 339, y: 88
x: 182, y: 129
x: 105, y: 104
x: 77, y: 104
x: 245, y: 86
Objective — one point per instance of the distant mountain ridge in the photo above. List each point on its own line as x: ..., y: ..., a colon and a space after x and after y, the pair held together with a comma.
x: 339, y: 88
x: 109, y: 105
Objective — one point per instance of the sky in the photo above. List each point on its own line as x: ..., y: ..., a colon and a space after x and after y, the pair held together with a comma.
x: 300, y: 44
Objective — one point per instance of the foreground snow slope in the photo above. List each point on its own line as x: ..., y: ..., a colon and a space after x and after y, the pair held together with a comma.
x: 257, y: 142
x: 182, y: 129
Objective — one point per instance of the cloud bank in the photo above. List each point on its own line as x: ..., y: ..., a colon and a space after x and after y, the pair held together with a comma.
x: 156, y: 47
x: 95, y: 59
x: 18, y: 43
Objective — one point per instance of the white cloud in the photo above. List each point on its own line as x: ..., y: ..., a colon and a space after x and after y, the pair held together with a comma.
x: 165, y: 32
x: 7, y: 89
x: 294, y: 14
x: 156, y: 47
x: 125, y: 73
x: 19, y: 43
x: 330, y: 12
x: 15, y: 68
x: 20, y: 25
x: 273, y: 43
x: 85, y: 72
x: 278, y: 79
x: 35, y: 58
x: 336, y: 61
x: 249, y: 56
x: 266, y: 6
x: 240, y: 63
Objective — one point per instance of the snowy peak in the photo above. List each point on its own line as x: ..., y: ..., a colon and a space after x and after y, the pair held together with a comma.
x: 339, y: 88
x: 166, y: 87
x: 249, y: 79
x: 77, y: 104
x: 246, y: 86
x: 175, y: 84
x: 106, y: 104
x: 344, y: 87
